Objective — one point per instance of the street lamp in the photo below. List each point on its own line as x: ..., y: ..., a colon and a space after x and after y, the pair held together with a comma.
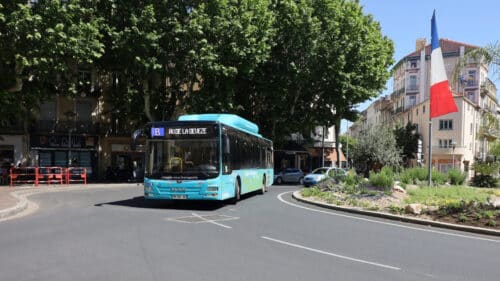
x: 70, y: 115
x: 347, y: 146
x: 453, y: 145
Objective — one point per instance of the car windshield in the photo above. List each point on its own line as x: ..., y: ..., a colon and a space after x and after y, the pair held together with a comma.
x: 320, y: 171
x: 183, y: 159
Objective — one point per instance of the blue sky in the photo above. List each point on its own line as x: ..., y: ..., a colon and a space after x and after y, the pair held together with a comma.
x: 473, y: 22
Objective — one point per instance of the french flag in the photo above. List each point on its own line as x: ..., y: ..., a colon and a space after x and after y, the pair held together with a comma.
x: 442, y: 101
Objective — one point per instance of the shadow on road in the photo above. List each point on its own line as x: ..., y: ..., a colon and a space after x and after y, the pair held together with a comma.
x: 140, y: 202
x: 196, y: 205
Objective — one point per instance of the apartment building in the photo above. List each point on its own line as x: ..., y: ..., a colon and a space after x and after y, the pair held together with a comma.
x: 81, y: 130
x: 457, y: 138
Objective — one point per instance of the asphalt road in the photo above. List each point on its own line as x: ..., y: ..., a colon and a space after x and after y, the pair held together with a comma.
x: 113, y: 234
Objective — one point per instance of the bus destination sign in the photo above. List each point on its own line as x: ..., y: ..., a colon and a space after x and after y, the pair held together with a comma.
x: 182, y: 132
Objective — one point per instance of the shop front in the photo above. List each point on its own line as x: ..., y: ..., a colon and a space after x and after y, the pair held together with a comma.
x: 66, y: 151
x: 121, y: 163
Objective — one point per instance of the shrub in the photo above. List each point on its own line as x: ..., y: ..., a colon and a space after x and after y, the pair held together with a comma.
x: 484, y: 181
x: 352, y: 179
x: 384, y: 179
x: 438, y: 178
x: 456, y: 177
x: 405, y: 177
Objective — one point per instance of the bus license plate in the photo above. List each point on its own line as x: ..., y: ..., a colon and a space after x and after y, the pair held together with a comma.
x: 179, y: 197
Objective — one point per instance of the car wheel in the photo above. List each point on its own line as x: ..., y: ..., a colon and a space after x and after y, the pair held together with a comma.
x: 279, y: 180
x: 301, y: 181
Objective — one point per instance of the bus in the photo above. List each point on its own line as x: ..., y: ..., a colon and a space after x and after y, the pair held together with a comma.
x: 205, y: 157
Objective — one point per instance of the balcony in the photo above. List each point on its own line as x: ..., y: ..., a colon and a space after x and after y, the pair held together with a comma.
x: 79, y: 127
x: 488, y: 88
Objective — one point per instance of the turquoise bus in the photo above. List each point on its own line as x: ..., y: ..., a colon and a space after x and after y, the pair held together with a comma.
x: 205, y: 157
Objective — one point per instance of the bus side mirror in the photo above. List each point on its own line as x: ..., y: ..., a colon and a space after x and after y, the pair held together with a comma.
x: 226, y: 149
x: 135, y: 135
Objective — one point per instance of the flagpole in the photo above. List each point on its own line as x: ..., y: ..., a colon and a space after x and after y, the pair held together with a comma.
x: 429, y: 180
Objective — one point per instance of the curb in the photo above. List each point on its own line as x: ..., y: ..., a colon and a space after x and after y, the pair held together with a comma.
x: 297, y: 196
x: 20, y: 206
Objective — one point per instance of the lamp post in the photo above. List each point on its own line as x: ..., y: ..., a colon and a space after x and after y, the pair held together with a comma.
x: 453, y: 145
x: 347, y: 146
x: 70, y: 115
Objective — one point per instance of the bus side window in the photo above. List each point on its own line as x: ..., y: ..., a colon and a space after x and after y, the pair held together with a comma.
x: 226, y: 154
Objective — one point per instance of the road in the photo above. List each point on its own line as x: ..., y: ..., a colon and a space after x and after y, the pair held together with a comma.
x: 113, y: 234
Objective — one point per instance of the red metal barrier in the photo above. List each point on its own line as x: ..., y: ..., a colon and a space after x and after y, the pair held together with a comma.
x: 50, y: 175
x: 24, y: 175
x: 76, y: 174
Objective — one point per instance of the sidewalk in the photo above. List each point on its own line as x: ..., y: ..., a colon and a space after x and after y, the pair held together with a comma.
x: 13, y: 199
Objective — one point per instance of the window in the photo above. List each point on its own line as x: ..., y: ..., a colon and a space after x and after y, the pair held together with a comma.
x: 471, y: 78
x: 84, y: 110
x: 445, y: 143
x: 470, y: 95
x: 412, y: 101
x: 412, y: 84
x: 48, y: 110
x: 413, y: 64
x: 446, y: 124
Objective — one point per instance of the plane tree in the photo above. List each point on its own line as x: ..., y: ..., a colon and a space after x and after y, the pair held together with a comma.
x: 352, y: 61
x: 41, y: 47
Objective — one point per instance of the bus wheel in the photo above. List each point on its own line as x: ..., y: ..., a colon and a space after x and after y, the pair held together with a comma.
x: 264, y: 187
x: 237, y: 193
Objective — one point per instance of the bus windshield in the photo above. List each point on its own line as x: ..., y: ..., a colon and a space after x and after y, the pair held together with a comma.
x: 183, y: 159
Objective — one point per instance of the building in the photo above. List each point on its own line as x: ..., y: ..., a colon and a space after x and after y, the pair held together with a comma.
x: 457, y: 138
x: 306, y: 155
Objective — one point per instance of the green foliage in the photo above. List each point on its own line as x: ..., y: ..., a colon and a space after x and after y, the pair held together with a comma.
x: 416, y: 174
x: 456, y: 177
x: 352, y: 179
x: 384, y: 179
x: 407, y: 140
x: 446, y: 196
x: 438, y: 178
x: 484, y: 174
x: 310, y: 192
x: 377, y: 145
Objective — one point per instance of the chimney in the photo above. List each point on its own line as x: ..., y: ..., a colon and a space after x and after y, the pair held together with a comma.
x: 420, y: 44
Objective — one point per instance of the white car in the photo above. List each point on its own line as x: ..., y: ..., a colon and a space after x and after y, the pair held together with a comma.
x: 322, y: 173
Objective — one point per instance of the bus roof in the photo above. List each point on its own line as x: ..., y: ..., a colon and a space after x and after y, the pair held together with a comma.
x: 228, y: 119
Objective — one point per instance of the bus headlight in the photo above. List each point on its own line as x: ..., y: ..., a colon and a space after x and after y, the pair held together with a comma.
x: 212, y: 188
x: 148, y: 188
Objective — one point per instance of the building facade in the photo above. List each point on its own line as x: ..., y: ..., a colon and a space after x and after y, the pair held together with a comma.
x: 457, y: 138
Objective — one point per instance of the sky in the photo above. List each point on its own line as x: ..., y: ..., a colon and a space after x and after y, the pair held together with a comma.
x: 472, y: 22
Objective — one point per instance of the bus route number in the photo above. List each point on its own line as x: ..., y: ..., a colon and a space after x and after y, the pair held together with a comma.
x: 157, y: 132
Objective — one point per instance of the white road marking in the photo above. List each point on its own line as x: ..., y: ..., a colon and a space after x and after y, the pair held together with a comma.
x: 210, y: 221
x: 330, y: 254
x: 280, y: 197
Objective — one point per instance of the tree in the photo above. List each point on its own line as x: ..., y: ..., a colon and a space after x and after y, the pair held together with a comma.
x: 239, y: 35
x: 376, y: 145
x: 489, y: 55
x: 407, y: 140
x: 352, y: 61
x: 283, y: 82
x: 41, y: 47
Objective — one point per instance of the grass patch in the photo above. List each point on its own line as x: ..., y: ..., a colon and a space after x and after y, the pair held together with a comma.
x: 445, y: 196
